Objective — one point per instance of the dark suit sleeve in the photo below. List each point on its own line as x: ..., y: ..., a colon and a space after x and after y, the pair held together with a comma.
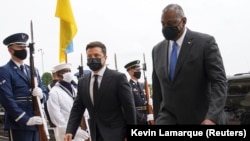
x: 127, y: 99
x: 216, y: 74
x: 76, y: 111
x: 156, y: 95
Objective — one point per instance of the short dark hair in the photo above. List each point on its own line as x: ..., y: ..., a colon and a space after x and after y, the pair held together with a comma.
x: 97, y: 44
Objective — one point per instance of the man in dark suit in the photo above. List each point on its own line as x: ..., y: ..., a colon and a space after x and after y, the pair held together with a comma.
x: 16, y: 94
x: 111, y: 106
x: 134, y: 70
x: 189, y: 81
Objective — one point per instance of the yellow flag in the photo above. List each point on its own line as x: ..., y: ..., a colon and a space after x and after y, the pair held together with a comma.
x: 68, y: 28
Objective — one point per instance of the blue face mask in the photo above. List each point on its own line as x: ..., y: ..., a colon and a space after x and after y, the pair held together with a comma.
x: 94, y: 63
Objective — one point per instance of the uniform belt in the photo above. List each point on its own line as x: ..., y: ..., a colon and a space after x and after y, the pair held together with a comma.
x: 141, y: 108
x: 23, y: 98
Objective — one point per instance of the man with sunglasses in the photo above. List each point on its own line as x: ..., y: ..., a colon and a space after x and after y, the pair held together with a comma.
x: 16, y: 94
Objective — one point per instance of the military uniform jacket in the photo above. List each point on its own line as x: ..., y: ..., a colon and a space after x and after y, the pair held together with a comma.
x: 140, y: 102
x: 59, y: 106
x: 15, y: 96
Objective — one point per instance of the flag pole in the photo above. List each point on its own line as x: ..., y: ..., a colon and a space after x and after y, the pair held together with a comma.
x: 66, y: 58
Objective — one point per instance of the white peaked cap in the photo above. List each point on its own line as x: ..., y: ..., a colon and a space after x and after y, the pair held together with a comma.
x: 61, y: 67
x: 53, y: 71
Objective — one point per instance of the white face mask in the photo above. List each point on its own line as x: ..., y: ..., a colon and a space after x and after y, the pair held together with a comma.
x: 68, y: 77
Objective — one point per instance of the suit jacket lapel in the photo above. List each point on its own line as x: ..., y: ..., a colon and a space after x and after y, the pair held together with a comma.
x: 85, y: 88
x: 22, y: 75
x: 28, y: 73
x: 168, y: 57
x: 185, y: 49
x: 103, y: 86
x: 19, y: 71
x: 162, y: 58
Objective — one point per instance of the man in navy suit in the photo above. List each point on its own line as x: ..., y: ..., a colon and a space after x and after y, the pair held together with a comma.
x: 111, y: 108
x: 189, y: 81
x: 16, y: 94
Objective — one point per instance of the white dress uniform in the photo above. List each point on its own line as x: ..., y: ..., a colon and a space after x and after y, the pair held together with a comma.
x: 59, y: 106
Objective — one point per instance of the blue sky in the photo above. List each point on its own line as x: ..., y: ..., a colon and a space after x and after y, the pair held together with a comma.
x: 129, y: 28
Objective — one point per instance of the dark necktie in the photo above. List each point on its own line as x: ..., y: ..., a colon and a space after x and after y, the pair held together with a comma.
x: 173, y: 60
x: 22, y: 69
x: 95, y: 87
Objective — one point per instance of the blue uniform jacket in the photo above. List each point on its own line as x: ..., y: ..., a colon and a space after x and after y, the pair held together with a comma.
x: 13, y: 85
x: 140, y: 101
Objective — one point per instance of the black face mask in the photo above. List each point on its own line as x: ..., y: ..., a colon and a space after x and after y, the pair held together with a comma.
x: 94, y: 63
x: 170, y: 32
x: 21, y: 54
x: 137, y: 74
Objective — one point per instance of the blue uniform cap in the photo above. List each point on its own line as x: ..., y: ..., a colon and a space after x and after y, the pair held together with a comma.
x: 133, y: 65
x: 18, y: 39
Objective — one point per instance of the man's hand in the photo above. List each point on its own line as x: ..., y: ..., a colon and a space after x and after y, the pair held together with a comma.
x: 150, y: 117
x: 68, y: 137
x: 37, y: 92
x: 35, y: 120
x: 208, y: 122
x: 82, y: 134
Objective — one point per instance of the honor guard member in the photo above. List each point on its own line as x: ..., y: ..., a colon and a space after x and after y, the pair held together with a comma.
x: 16, y: 94
x: 54, y: 80
x: 49, y: 87
x: 134, y: 71
x: 60, y: 102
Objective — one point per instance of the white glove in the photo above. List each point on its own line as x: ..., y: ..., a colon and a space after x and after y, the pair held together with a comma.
x: 150, y: 117
x: 68, y: 77
x: 35, y: 120
x: 82, y: 134
x: 150, y: 102
x: 37, y: 92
